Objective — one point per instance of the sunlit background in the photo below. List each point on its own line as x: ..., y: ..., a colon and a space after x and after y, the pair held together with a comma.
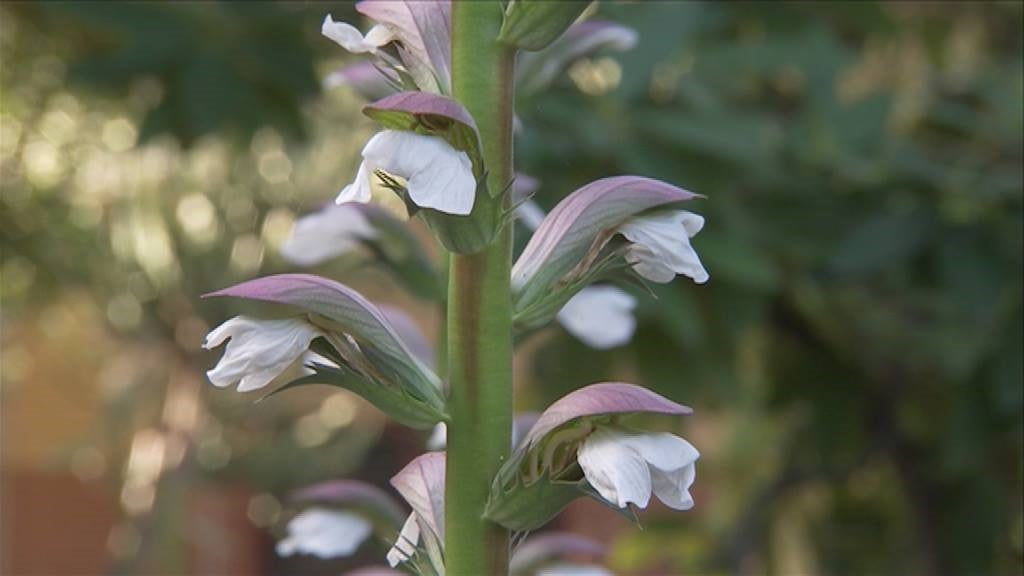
x: 855, y: 361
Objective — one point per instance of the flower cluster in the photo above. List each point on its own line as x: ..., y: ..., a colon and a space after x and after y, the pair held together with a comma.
x: 429, y: 153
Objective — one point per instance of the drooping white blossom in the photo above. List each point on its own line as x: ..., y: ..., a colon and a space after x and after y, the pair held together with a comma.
x: 627, y: 467
x: 324, y: 533
x: 435, y: 174
x: 258, y: 350
x: 600, y: 316
x: 350, y: 38
x: 661, y: 246
x: 326, y: 234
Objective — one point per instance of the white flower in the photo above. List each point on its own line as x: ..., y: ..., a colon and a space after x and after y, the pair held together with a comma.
x: 326, y: 234
x: 600, y: 316
x: 625, y: 467
x: 324, y: 534
x: 436, y: 175
x: 259, y: 350
x: 661, y: 246
x: 407, y: 542
x: 349, y: 37
x: 573, y: 570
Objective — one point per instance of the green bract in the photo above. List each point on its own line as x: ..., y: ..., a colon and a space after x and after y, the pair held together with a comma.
x: 534, y: 24
x: 399, y: 404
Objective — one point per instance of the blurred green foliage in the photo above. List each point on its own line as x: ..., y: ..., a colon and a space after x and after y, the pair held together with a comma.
x: 862, y: 328
x: 224, y: 66
x: 857, y: 352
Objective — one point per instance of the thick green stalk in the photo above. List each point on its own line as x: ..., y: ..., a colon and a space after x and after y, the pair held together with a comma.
x: 480, y: 309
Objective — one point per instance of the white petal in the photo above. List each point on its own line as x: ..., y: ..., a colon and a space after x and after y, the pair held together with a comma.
x: 406, y: 543
x: 218, y: 335
x: 349, y: 37
x: 530, y: 214
x: 648, y: 265
x: 257, y: 379
x: 326, y: 234
x: 671, y: 460
x: 692, y: 223
x: 438, y: 437
x: 618, y: 473
x: 661, y: 246
x: 673, y: 488
x: 311, y: 357
x: 437, y: 175
x: 379, y: 35
x: 600, y: 316
x: 573, y: 570
x: 359, y: 189
x: 661, y: 450
x: 258, y: 350
x: 324, y: 533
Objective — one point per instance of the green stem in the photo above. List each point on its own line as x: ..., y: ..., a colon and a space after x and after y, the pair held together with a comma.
x: 480, y: 309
